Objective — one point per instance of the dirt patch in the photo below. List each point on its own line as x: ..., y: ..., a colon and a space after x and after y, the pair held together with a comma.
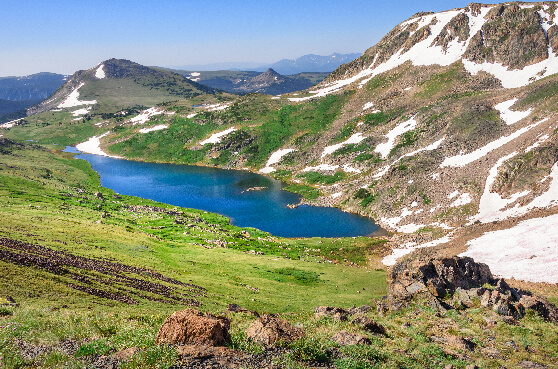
x: 102, y: 278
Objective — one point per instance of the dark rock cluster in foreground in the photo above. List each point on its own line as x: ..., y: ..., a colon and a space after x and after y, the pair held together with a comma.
x: 461, y: 283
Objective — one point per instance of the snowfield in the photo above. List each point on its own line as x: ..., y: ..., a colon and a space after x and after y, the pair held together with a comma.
x: 72, y: 100
x: 527, y: 251
x: 93, y: 146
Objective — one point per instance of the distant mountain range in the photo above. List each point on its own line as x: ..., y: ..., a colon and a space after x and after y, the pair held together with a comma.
x: 306, y: 63
x: 242, y: 82
x: 17, y: 93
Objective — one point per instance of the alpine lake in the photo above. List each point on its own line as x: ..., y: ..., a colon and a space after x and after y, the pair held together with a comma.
x: 248, y: 199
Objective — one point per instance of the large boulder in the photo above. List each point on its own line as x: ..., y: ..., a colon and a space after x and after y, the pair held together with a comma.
x: 268, y: 330
x: 191, y: 326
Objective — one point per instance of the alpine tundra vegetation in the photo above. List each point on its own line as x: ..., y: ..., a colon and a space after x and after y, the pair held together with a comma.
x: 445, y: 133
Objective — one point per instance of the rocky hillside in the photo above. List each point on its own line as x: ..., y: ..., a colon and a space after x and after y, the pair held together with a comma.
x: 115, y: 84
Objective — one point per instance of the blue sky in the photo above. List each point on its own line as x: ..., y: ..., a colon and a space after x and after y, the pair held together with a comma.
x: 63, y: 36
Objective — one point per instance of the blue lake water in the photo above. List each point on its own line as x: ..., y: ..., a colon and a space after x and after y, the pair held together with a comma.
x: 225, y: 192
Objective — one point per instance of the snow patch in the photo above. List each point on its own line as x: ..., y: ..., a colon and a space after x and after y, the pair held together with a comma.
x: 216, y: 137
x: 100, y: 72
x: 191, y: 115
x: 492, y: 205
x: 464, y: 199
x: 156, y: 128
x: 146, y: 115
x: 73, y: 100
x: 321, y: 167
x: 354, y: 139
x: 274, y: 159
x: 453, y: 194
x: 509, y: 116
x: 526, y: 251
x: 430, y: 147
x: 93, y: 146
x: 336, y: 195
x: 410, y: 247
x: 368, y: 105
x: 516, y: 77
x: 10, y: 124
x: 82, y: 111
x: 541, y: 139
x: 347, y: 168
x: 385, y: 148
x: 216, y: 107
x: 464, y: 159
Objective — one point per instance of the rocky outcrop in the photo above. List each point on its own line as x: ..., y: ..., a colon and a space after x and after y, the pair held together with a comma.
x: 268, y: 330
x: 511, y: 36
x: 191, y: 326
x: 461, y: 283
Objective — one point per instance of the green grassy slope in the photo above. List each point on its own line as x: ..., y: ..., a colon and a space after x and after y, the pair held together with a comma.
x: 48, y: 199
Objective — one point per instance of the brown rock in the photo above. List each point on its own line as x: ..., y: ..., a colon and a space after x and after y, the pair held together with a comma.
x: 369, y: 324
x: 530, y: 365
x: 345, y: 338
x: 541, y: 305
x: 191, y: 326
x: 208, y: 356
x: 333, y: 312
x: 455, y: 342
x: 126, y: 354
x: 268, y: 330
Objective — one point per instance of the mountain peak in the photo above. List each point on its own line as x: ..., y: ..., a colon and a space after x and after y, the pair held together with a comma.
x: 268, y: 77
x: 271, y: 71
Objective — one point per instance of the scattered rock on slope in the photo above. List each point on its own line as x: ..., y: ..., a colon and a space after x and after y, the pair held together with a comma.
x: 268, y: 330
